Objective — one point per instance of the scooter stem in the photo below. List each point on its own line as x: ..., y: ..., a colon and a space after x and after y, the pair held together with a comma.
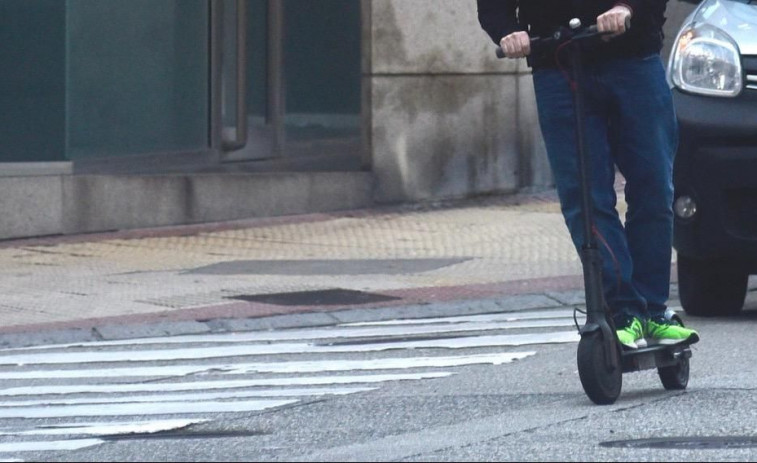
x: 591, y: 258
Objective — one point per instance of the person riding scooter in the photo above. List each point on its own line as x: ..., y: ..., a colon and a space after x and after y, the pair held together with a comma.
x: 631, y: 128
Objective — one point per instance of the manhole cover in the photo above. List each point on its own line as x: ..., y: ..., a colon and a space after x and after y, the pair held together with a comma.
x: 687, y: 443
x: 321, y: 297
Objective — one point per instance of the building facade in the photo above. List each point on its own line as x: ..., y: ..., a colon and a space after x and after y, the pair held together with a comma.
x: 150, y: 113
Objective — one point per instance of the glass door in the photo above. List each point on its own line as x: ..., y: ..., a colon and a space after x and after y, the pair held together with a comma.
x: 322, y: 78
x: 136, y: 77
x: 290, y: 79
x: 247, y: 116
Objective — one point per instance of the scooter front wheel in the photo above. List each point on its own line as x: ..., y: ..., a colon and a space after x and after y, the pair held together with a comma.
x: 601, y: 380
x: 676, y: 377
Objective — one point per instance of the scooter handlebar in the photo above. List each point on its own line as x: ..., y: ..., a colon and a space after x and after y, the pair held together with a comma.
x: 585, y: 33
x: 536, y: 42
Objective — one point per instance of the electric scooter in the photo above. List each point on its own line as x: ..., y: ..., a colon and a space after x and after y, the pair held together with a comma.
x: 602, y: 359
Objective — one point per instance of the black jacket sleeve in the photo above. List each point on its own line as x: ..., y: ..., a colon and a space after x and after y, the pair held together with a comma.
x: 498, y: 18
x: 641, y: 7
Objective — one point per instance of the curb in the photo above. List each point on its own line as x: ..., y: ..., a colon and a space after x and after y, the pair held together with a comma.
x: 161, y: 325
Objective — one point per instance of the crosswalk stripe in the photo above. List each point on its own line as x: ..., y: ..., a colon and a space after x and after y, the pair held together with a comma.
x: 480, y: 318
x: 206, y: 396
x: 285, y: 348
x: 315, y: 366
x: 128, y: 399
x: 208, y: 385
x: 46, y: 446
x: 157, y: 408
x: 339, y: 331
x: 108, y: 429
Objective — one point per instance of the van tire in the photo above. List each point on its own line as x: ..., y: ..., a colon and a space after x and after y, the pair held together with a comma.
x: 711, y: 288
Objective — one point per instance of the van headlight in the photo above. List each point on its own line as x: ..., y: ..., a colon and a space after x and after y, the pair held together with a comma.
x: 706, y: 60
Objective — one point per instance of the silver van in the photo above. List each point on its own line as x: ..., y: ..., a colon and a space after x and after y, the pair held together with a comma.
x: 713, y: 74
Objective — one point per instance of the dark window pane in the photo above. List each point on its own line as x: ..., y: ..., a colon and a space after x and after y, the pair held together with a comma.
x: 257, y: 60
x: 32, y: 86
x: 322, y: 73
x: 137, y: 76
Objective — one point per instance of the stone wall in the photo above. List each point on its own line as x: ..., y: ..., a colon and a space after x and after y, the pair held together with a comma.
x: 446, y: 113
x: 448, y: 119
x: 54, y: 204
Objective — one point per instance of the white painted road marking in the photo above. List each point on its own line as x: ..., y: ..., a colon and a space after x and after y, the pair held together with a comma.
x: 139, y: 409
x: 405, y: 327
x: 314, y: 366
x: 108, y: 429
x: 46, y: 446
x: 190, y: 397
x: 195, y: 384
x: 209, y: 385
x: 196, y: 353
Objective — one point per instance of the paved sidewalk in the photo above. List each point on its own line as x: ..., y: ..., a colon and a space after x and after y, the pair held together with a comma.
x: 447, y: 250
x: 412, y: 256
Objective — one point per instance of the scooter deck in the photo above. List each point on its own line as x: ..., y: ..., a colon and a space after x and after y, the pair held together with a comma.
x: 658, y: 356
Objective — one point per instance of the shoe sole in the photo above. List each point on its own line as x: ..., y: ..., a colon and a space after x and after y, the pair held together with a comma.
x: 639, y: 343
x: 671, y: 342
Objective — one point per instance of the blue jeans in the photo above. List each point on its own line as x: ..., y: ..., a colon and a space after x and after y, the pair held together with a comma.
x: 630, y: 125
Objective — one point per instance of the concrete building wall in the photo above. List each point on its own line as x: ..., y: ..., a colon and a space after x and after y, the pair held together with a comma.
x: 39, y: 205
x: 448, y: 119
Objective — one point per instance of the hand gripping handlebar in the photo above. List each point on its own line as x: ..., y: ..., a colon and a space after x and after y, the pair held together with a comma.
x: 573, y: 33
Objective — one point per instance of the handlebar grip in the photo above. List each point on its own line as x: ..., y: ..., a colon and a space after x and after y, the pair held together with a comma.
x: 501, y: 52
x: 593, y: 29
x: 590, y: 31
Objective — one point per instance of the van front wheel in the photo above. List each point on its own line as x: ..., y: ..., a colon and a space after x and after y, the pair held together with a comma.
x: 711, y: 288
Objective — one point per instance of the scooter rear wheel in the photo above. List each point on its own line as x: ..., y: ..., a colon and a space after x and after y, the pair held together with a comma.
x: 600, y: 382
x: 675, y: 378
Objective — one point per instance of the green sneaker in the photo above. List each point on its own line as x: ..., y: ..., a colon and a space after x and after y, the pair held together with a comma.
x: 632, y: 335
x: 667, y: 332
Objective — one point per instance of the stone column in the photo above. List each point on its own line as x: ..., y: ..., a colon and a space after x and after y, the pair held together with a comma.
x: 449, y: 120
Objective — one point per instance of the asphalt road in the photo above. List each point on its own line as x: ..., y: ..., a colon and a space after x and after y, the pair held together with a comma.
x: 450, y: 387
